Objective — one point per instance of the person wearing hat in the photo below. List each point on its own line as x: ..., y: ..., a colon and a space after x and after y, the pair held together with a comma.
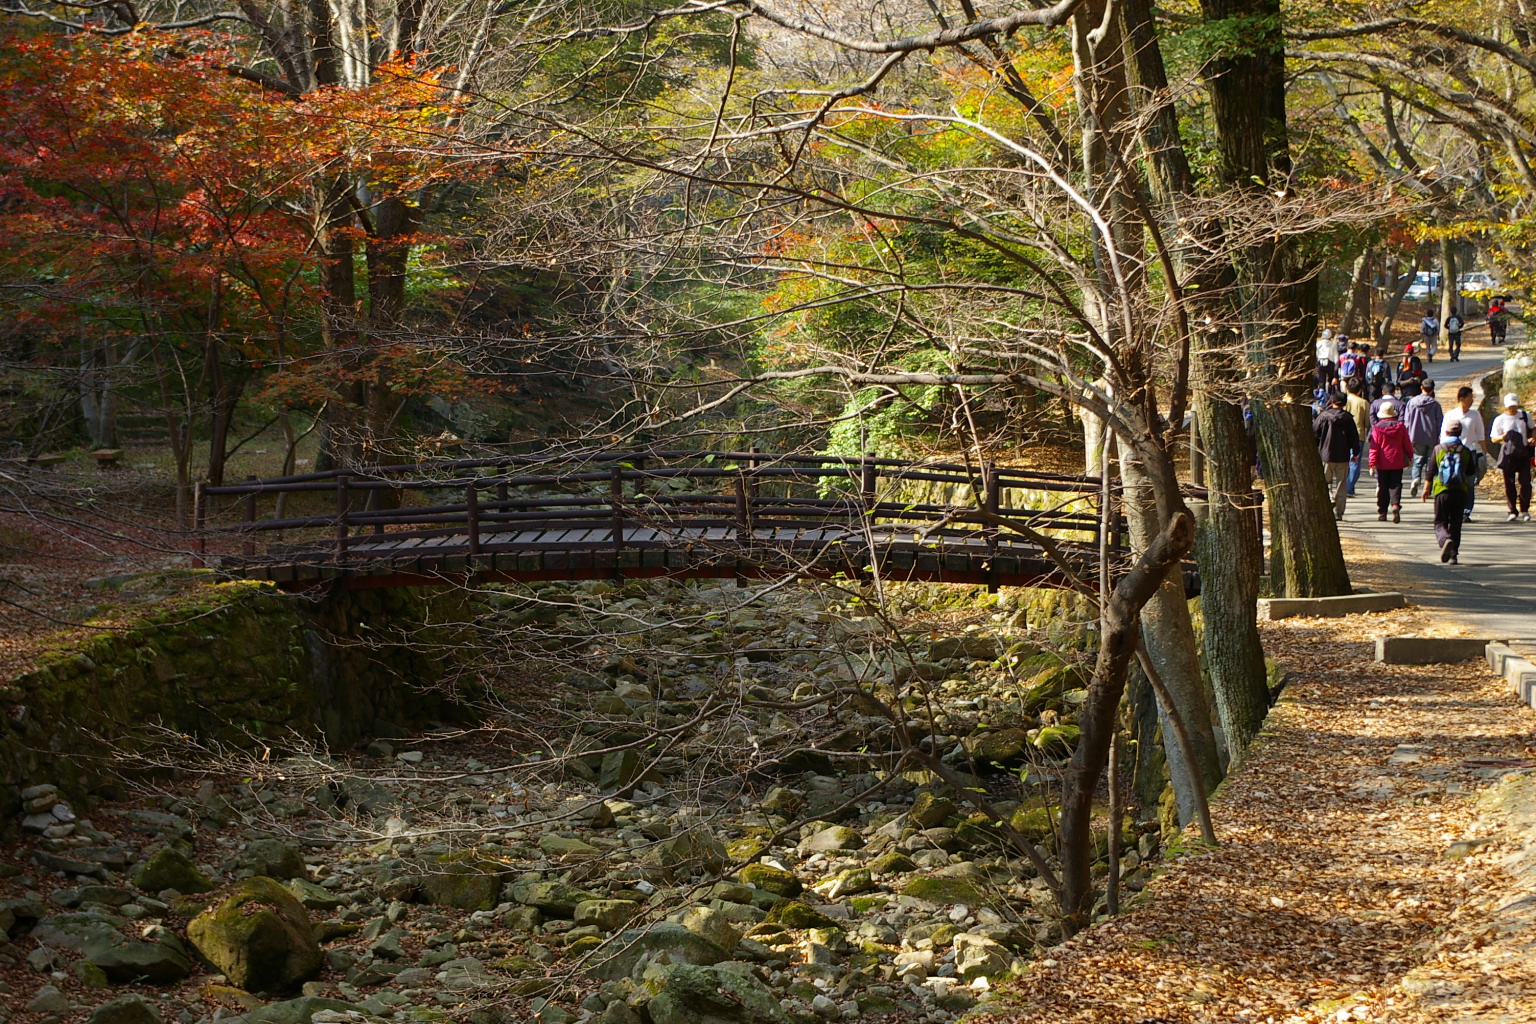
x: 1327, y: 356
x: 1423, y: 416
x: 1450, y: 483
x: 1391, y: 451
x: 1511, y: 431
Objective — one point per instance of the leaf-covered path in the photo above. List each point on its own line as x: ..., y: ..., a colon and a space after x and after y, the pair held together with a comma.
x: 1332, y: 882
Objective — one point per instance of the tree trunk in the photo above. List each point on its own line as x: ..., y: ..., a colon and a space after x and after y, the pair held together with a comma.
x: 98, y: 394
x: 1096, y: 719
x: 1169, y: 634
x: 1247, y: 89
x: 1229, y: 551
x: 1449, y: 299
x: 1357, y: 311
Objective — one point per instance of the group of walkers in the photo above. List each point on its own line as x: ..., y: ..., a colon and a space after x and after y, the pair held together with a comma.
x: 1445, y: 454
x: 1365, y: 370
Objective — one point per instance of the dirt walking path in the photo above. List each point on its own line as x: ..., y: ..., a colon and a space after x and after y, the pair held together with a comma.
x: 1335, y: 894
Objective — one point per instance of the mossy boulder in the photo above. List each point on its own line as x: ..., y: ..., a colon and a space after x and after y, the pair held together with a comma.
x: 129, y: 1009
x: 1037, y: 824
x: 1000, y: 746
x: 930, y: 811
x: 463, y: 882
x: 259, y: 936
x: 661, y: 943
x: 972, y: 647
x: 944, y: 890
x: 892, y: 862
x: 554, y: 898
x: 692, y: 852
x: 273, y: 858
x: 687, y: 994
x: 794, y: 914
x: 171, y: 869
x: 771, y: 879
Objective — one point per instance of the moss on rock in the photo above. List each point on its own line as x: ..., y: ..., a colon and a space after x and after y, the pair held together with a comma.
x: 259, y: 936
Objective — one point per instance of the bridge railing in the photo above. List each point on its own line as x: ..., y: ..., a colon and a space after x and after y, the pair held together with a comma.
x: 625, y: 492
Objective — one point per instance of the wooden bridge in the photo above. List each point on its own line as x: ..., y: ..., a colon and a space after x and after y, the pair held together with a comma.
x: 605, y: 515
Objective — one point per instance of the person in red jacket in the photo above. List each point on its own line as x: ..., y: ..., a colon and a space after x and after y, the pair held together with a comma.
x: 1391, y: 451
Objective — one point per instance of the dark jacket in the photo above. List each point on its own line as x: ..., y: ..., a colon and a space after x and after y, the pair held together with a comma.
x: 1423, y: 416
x: 1338, y: 439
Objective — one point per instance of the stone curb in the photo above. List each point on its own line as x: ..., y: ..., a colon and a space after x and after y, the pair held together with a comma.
x: 1515, y: 668
x: 1272, y: 608
x: 1430, y: 650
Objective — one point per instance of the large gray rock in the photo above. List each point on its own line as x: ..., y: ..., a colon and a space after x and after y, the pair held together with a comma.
x: 74, y: 931
x: 663, y: 943
x: 290, y: 1011
x: 687, y: 994
x: 832, y: 840
x: 554, y: 898
x: 130, y: 1009
x: 170, y: 869
x: 463, y: 883
x: 273, y: 858
x: 159, y: 960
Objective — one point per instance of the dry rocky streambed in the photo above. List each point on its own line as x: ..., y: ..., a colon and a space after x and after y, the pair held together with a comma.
x: 574, y: 850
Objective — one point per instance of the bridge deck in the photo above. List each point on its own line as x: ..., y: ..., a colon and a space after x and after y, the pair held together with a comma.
x: 831, y: 517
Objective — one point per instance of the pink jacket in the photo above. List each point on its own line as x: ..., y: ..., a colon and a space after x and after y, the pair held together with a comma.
x: 1391, y: 447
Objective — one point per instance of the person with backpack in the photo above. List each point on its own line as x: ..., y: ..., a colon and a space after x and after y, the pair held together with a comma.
x: 1453, y: 327
x: 1349, y: 363
x: 1450, y: 483
x: 1429, y: 334
x: 1378, y: 373
x: 1338, y: 442
x: 1474, y: 439
x: 1511, y: 431
x: 1498, y: 322
x: 1423, y: 417
x: 1327, y: 355
x: 1360, y: 409
x: 1391, y: 451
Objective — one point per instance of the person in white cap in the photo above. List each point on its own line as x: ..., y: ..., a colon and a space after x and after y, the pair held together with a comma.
x: 1391, y: 452
x: 1511, y: 431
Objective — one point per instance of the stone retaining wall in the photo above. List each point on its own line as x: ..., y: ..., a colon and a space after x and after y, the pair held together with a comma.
x: 237, y: 664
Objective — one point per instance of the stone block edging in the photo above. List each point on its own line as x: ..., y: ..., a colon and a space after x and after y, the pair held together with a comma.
x: 1272, y: 608
x: 1515, y: 668
x: 1430, y: 650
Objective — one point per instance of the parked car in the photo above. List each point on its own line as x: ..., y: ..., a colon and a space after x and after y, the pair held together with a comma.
x: 1477, y: 282
x: 1425, y: 284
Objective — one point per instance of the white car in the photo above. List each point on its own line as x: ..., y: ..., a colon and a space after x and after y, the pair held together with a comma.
x: 1477, y: 281
x: 1425, y: 284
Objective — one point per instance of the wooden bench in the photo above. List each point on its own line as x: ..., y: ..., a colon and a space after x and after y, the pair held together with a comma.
x: 107, y: 458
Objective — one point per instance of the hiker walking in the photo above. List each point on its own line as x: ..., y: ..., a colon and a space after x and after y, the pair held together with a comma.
x: 1423, y: 417
x: 1360, y: 409
x: 1498, y: 321
x: 1378, y: 373
x: 1327, y: 357
x: 1338, y: 442
x: 1453, y: 327
x: 1391, y: 451
x: 1474, y: 438
x: 1410, y: 372
x: 1450, y: 484
x: 1511, y: 431
x: 1389, y: 394
x: 1429, y: 334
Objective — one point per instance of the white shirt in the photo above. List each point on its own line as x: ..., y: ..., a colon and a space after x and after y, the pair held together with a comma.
x: 1327, y: 350
x: 1472, y: 432
x: 1504, y: 423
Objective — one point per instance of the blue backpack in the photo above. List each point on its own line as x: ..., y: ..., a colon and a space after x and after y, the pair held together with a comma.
x: 1453, y: 468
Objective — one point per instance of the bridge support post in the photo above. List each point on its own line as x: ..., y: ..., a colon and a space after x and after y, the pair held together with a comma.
x: 616, y: 501
x: 343, y: 511
x: 992, y: 503
x: 472, y: 517
x: 199, y: 521
x: 249, y: 547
